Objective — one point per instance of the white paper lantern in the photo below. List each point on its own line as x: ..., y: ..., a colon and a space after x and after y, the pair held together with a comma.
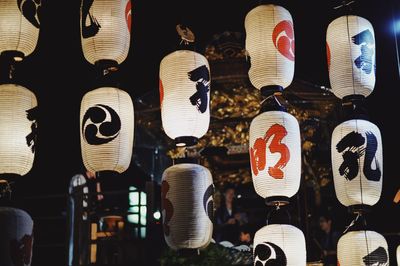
x: 357, y: 162
x: 279, y: 244
x: 360, y: 248
x: 19, y: 26
x: 185, y: 96
x: 107, y: 128
x: 187, y: 206
x: 351, y: 56
x: 270, y: 44
x: 275, y: 154
x: 398, y: 255
x: 105, y: 29
x: 16, y: 237
x: 18, y: 128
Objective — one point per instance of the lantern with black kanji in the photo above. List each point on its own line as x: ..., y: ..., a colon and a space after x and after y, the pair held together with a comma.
x: 357, y: 162
x: 105, y: 30
x: 18, y: 129
x: 275, y: 155
x: 187, y: 206
x: 279, y: 244
x: 16, y: 237
x: 185, y: 96
x: 360, y: 248
x: 270, y: 45
x: 350, y: 44
x: 106, y: 129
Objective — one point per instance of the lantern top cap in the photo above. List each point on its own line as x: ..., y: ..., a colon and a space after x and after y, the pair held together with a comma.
x: 265, y: 7
x: 182, y: 53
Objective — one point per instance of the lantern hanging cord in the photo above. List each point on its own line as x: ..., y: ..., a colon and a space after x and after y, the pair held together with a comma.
x: 345, y: 3
x: 352, y: 223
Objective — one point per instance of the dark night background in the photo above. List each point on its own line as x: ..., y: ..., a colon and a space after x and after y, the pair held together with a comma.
x: 59, y: 75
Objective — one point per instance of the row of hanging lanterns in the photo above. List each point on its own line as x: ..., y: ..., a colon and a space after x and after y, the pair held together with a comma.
x: 187, y: 188
x: 19, y: 32
x: 357, y: 157
x: 274, y: 148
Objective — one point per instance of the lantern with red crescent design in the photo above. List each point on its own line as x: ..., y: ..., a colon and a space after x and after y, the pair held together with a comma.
x: 270, y: 44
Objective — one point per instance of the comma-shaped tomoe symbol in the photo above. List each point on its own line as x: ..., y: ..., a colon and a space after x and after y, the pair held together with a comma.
x: 269, y: 254
x: 30, y: 9
x: 258, y: 158
x: 21, y: 250
x: 208, y: 203
x: 128, y: 14
x: 352, y: 148
x: 201, y: 76
x: 167, y: 207
x: 367, y: 45
x: 93, y: 28
x: 103, y: 127
x: 378, y: 257
x: 283, y: 38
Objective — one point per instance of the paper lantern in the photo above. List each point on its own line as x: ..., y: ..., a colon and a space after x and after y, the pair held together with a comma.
x: 187, y: 206
x: 351, y: 56
x: 18, y: 129
x: 398, y: 255
x: 19, y: 27
x: 279, y: 244
x: 270, y: 44
x: 360, y: 248
x: 275, y: 155
x: 105, y: 29
x: 16, y: 237
x: 357, y: 162
x: 185, y: 96
x: 107, y: 127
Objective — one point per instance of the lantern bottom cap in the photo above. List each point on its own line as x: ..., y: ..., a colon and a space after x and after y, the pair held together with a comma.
x: 272, y: 103
x: 186, y: 141
x: 107, y: 64
x: 277, y: 201
x: 188, y: 252
x: 13, y: 55
x: 359, y: 208
x: 269, y: 90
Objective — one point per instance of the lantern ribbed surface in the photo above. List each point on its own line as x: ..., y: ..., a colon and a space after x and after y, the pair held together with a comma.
x: 187, y: 206
x: 19, y: 30
x: 270, y: 44
x: 185, y: 94
x: 360, y: 248
x: 279, y: 244
x: 357, y: 162
x: 351, y: 56
x: 17, y: 129
x: 105, y: 29
x: 16, y: 237
x: 107, y: 129
x: 275, y: 154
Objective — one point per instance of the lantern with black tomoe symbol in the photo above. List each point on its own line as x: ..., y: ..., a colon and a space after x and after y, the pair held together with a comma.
x: 185, y: 96
x: 270, y: 44
x: 350, y: 43
x: 357, y: 163
x: 275, y: 156
x: 19, y: 27
x: 279, y: 244
x: 187, y: 206
x: 106, y: 129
